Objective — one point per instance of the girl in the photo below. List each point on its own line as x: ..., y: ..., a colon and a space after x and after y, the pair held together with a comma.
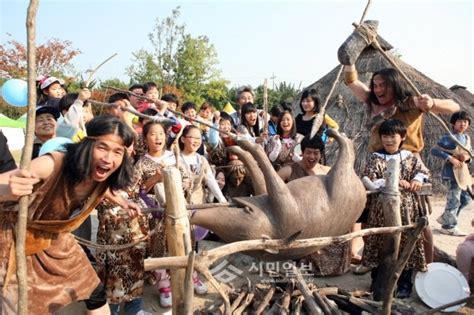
x: 197, y: 167
x: 392, y: 133
x: 218, y: 155
x: 200, y: 173
x: 122, y: 271
x: 64, y: 189
x: 50, y: 91
x: 310, y: 105
x: 250, y: 124
x: 280, y: 148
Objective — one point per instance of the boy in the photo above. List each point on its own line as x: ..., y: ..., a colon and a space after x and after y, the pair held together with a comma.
x: 455, y: 167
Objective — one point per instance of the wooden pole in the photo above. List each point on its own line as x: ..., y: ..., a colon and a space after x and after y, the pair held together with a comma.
x: 392, y: 218
x: 20, y: 231
x: 205, y: 259
x: 177, y: 233
x: 265, y: 105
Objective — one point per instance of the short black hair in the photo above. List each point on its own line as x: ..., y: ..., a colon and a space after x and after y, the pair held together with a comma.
x: 188, y: 105
x: 276, y: 110
x: 226, y: 116
x: 170, y: 97
x: 460, y: 115
x: 393, y: 127
x: 135, y: 86
x: 118, y: 97
x: 313, y: 94
x: 312, y: 143
x: 149, y: 85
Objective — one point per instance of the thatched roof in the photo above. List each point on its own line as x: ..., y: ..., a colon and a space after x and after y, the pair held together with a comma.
x: 466, y: 96
x: 352, y: 115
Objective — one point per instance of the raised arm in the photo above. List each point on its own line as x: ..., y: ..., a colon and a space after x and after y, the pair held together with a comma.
x: 358, y: 88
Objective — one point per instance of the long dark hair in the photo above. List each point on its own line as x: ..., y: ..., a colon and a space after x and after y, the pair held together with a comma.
x: 78, y: 159
x: 185, y: 132
x: 393, y: 79
x: 249, y: 108
x: 293, y: 127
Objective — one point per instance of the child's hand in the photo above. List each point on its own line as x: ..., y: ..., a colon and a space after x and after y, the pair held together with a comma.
x: 415, y: 185
x: 455, y: 162
x: 405, y: 184
x: 461, y: 157
x: 132, y: 209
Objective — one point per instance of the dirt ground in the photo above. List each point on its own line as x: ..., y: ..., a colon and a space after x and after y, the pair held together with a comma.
x: 348, y: 281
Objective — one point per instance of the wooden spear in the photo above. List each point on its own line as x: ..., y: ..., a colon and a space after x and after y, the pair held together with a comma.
x: 318, y: 121
x: 20, y: 231
x: 265, y: 105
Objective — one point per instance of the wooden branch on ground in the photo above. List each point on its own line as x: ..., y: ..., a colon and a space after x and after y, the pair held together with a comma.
x: 20, y: 231
x: 442, y: 307
x: 308, y: 297
x: 248, y: 299
x: 265, y: 301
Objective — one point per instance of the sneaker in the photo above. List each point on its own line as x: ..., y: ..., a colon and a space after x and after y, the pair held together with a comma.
x: 361, y: 269
x: 440, y: 220
x: 200, y: 287
x: 403, y: 292
x: 453, y: 232
x: 165, y: 297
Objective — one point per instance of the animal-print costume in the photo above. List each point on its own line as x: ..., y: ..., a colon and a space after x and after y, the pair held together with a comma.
x: 122, y: 271
x: 410, y: 168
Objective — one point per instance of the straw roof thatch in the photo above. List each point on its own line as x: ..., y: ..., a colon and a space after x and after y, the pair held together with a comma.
x: 466, y: 96
x: 352, y: 115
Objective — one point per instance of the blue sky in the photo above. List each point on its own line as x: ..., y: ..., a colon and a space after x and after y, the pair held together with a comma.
x: 297, y: 41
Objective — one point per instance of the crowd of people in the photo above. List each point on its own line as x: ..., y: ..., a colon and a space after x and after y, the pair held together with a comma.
x: 114, y: 162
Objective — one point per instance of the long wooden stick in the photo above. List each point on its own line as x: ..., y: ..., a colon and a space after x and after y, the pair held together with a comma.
x: 93, y: 72
x: 442, y: 307
x: 318, y: 121
x: 199, y: 121
x: 265, y: 105
x: 205, y: 259
x: 20, y: 231
x: 377, y: 46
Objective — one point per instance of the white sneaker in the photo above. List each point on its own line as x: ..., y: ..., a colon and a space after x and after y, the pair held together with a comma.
x: 200, y: 288
x: 166, y: 300
x: 453, y: 232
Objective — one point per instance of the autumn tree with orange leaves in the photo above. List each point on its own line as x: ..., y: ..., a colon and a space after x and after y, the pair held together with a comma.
x: 52, y: 58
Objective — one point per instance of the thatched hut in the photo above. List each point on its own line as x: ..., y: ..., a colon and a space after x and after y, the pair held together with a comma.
x: 352, y: 115
x: 466, y: 96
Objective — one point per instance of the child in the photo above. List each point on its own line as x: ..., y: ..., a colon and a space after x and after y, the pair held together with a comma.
x: 172, y: 100
x: 205, y: 114
x: 76, y: 112
x: 275, y: 113
x: 310, y: 105
x: 250, y: 124
x: 456, y: 160
x: 392, y: 133
x: 49, y: 92
x: 280, y: 148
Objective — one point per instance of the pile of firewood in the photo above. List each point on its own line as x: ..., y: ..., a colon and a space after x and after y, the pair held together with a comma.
x: 294, y: 296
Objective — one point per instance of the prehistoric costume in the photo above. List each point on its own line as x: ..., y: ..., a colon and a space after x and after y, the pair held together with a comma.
x: 122, y: 270
x: 281, y: 151
x: 410, y: 168
x: 58, y: 271
x: 410, y: 115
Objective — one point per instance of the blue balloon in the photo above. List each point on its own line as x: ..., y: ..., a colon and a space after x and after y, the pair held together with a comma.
x: 55, y: 144
x: 15, y: 92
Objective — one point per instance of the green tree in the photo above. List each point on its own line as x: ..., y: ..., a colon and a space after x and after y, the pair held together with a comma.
x: 195, y: 62
x: 216, y: 92
x: 178, y: 59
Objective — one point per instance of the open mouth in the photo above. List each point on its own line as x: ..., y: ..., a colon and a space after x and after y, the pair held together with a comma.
x: 102, y: 171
